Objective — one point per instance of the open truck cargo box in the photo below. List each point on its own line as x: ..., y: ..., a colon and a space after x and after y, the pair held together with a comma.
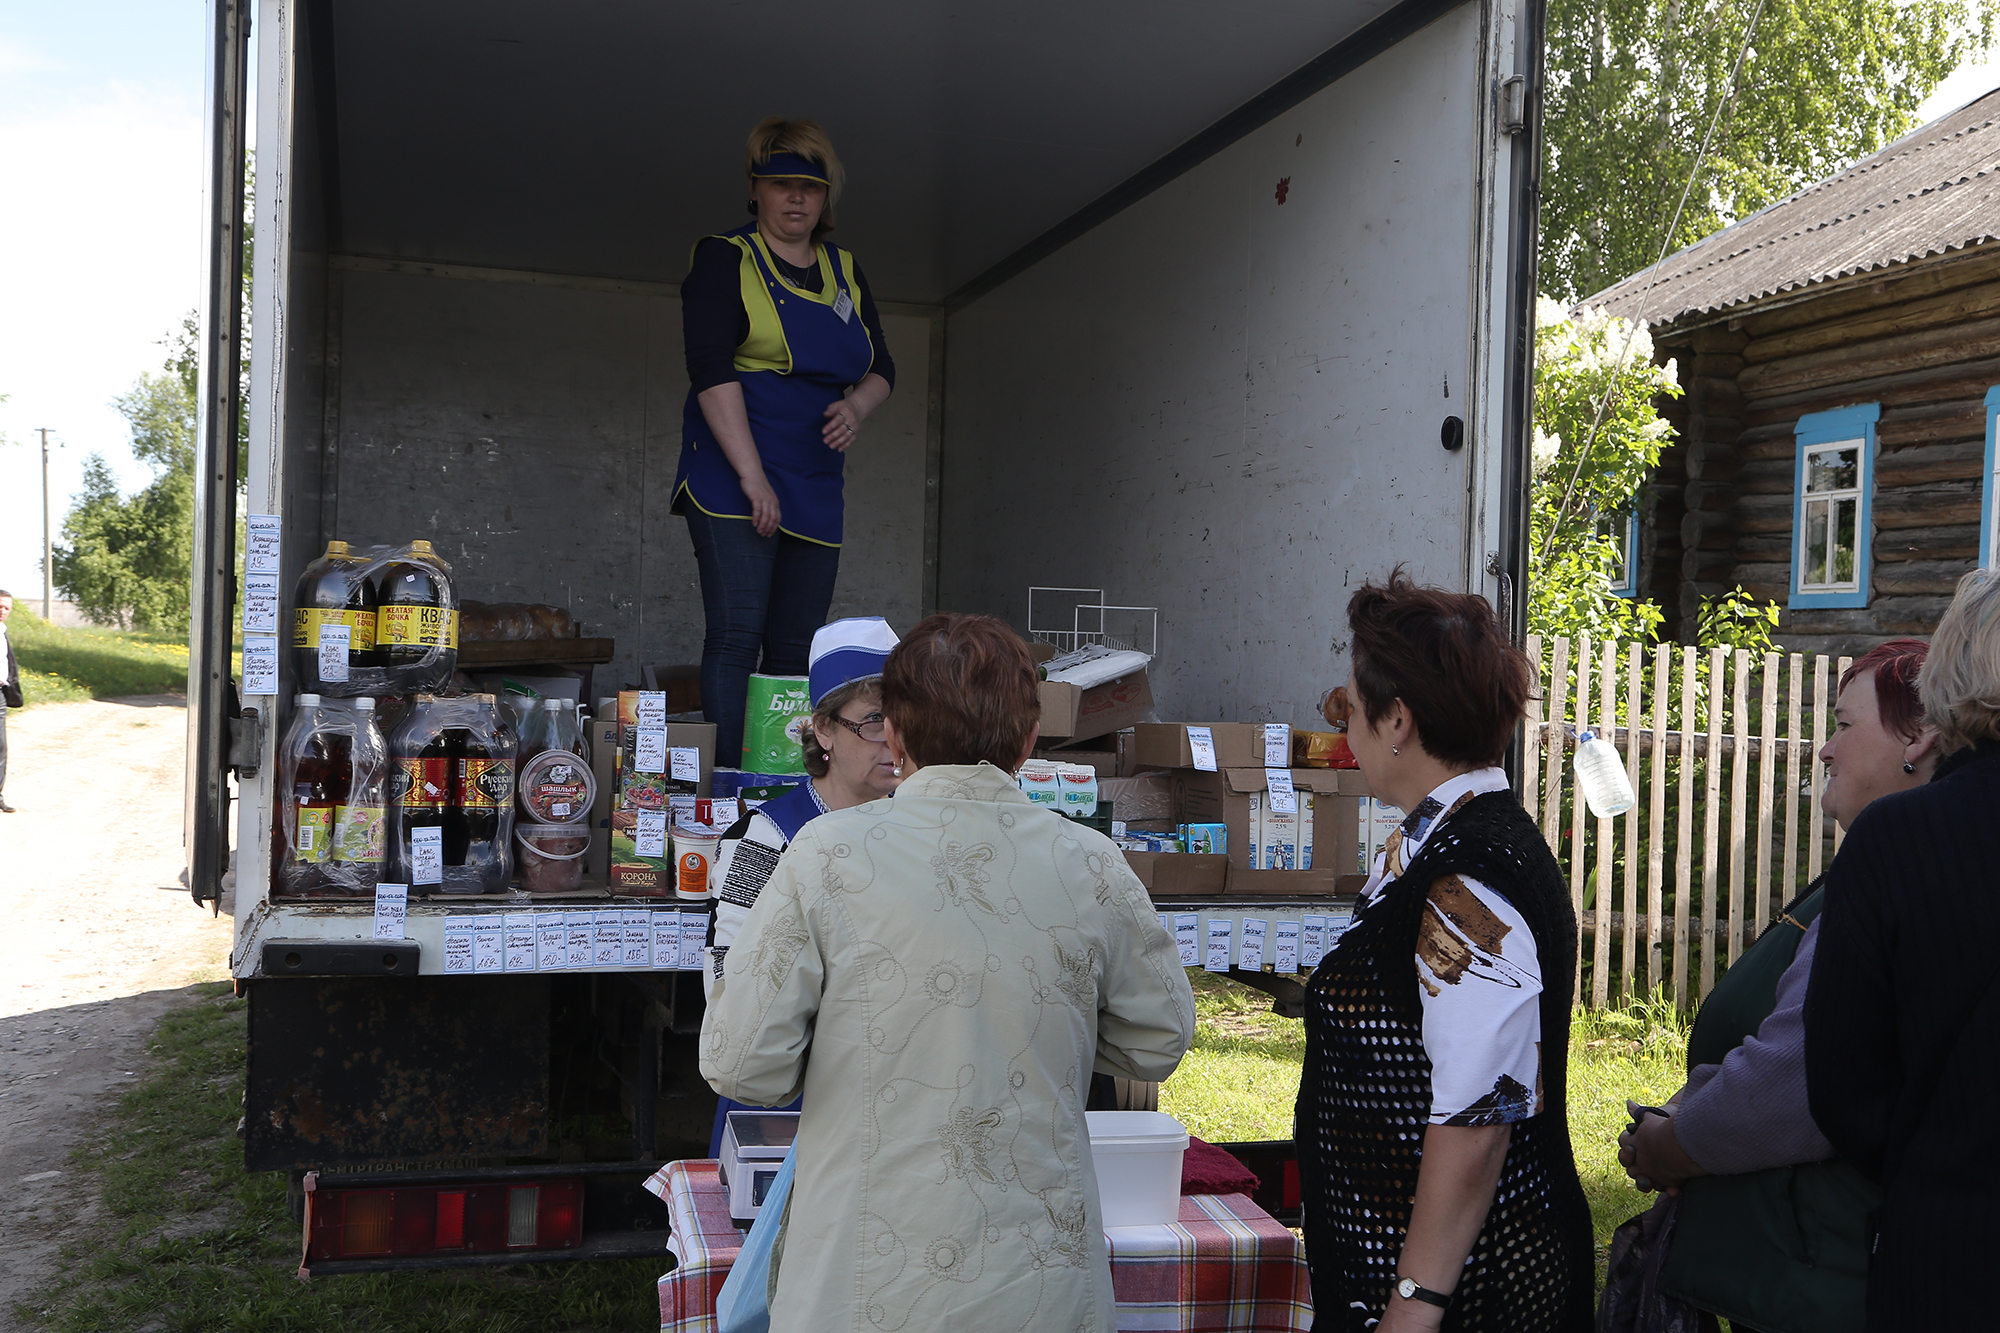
x: 1226, y: 308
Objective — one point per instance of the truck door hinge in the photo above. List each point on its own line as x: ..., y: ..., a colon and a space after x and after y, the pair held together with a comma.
x: 1513, y: 104
x: 246, y: 743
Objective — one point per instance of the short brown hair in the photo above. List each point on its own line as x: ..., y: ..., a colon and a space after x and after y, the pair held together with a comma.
x: 1444, y: 655
x: 1895, y: 664
x: 961, y: 689
x: 811, y: 753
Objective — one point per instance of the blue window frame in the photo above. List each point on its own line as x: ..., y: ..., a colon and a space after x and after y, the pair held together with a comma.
x: 1989, y: 529
x: 1832, y: 491
x: 1623, y: 526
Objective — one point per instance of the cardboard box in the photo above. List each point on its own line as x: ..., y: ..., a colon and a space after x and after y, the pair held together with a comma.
x: 1103, y: 762
x: 603, y: 734
x: 1225, y: 797
x: 1165, y: 744
x: 1167, y: 874
x: 1279, y: 883
x: 1073, y: 714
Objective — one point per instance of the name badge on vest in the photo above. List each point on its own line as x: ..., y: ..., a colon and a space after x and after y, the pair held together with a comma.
x: 844, y: 307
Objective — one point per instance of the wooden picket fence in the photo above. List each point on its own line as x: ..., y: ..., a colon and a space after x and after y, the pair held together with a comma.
x: 1722, y: 749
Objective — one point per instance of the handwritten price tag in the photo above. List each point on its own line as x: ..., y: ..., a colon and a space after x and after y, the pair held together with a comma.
x: 551, y: 942
x: 684, y: 764
x: 652, y: 710
x: 667, y: 940
x: 1201, y: 744
x: 260, y: 665
x: 488, y: 945
x: 1251, y: 956
x: 520, y: 944
x: 261, y: 543
x: 1284, y: 799
x: 1285, y: 947
x: 694, y: 940
x: 649, y: 750
x: 1187, y: 938
x: 458, y: 949
x: 426, y: 856
x: 638, y: 937
x: 1277, y: 745
x: 260, y: 603
x: 1312, y: 943
x: 649, y: 838
x: 334, y: 641
x: 1220, y: 933
x: 392, y: 903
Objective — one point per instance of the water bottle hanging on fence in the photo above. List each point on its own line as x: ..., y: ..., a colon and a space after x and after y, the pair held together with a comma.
x: 1601, y: 776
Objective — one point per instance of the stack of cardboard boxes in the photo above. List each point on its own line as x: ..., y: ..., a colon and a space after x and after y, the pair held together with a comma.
x: 1224, y: 773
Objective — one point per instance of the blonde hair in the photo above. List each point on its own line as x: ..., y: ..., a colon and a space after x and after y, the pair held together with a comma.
x: 777, y: 134
x: 1960, y: 682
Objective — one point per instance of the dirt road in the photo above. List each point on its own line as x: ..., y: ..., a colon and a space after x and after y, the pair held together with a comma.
x: 100, y: 940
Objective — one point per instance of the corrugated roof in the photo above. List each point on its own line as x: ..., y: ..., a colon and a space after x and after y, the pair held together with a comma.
x: 1935, y: 190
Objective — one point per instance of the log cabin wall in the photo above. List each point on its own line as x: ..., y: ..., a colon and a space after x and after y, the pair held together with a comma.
x: 1923, y: 340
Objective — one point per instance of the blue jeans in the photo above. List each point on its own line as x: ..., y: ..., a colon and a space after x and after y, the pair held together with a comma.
x: 764, y: 598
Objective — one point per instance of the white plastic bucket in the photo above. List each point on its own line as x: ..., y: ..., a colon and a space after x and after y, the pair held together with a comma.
x: 1138, y: 1157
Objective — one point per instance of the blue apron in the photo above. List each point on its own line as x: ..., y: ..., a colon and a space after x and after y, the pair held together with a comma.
x: 790, y: 812
x: 787, y: 409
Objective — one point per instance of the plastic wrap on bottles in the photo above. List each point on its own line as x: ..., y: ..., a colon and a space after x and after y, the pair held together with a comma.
x: 451, y: 796
x: 328, y: 829
x: 397, y: 611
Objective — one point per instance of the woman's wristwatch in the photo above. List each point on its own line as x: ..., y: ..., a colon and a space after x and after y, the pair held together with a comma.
x: 1410, y: 1291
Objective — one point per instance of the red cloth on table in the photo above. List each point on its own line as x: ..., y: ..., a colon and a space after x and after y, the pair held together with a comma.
x: 1207, y: 1169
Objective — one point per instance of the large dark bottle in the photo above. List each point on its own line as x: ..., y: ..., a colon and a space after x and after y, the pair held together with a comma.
x: 419, y: 793
x: 416, y: 621
x: 332, y: 591
x: 315, y: 769
x: 482, y: 787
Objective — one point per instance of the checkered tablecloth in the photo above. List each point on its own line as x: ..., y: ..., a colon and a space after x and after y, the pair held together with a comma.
x: 1225, y: 1265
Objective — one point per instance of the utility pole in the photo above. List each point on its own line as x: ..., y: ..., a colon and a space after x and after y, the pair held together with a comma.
x: 47, y: 549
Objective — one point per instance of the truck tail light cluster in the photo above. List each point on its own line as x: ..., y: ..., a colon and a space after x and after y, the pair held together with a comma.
x: 405, y: 1221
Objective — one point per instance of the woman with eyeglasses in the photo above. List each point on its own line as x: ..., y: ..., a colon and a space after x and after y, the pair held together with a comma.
x: 847, y: 763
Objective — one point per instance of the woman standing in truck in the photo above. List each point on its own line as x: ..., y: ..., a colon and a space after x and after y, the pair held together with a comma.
x: 785, y: 360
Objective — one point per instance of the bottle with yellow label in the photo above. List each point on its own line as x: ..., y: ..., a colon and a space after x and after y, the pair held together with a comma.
x: 416, y: 620
x: 334, y: 594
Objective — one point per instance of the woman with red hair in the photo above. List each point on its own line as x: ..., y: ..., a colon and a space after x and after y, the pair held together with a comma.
x: 1770, y: 1229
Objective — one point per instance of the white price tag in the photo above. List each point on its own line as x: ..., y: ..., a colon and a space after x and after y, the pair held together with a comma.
x: 520, y: 946
x: 260, y: 665
x: 1312, y: 943
x: 667, y: 939
x: 334, y: 641
x: 261, y: 542
x: 843, y: 306
x: 652, y: 710
x: 551, y: 942
x: 1251, y: 956
x: 694, y: 940
x: 458, y: 948
x: 1285, y: 947
x: 577, y: 928
x: 426, y: 856
x: 1201, y: 744
x: 392, y: 902
x: 1220, y: 932
x: 1187, y: 938
x: 727, y: 811
x: 649, y: 750
x: 1336, y: 926
x: 649, y: 838
x: 1277, y: 745
x: 488, y: 941
x: 260, y: 603
x: 1284, y: 800
x: 683, y: 764
x: 607, y: 937
x: 638, y: 937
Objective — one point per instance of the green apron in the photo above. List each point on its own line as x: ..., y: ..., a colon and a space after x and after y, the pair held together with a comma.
x: 1784, y: 1250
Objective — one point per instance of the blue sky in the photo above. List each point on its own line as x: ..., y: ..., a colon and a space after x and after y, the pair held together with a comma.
x: 101, y: 172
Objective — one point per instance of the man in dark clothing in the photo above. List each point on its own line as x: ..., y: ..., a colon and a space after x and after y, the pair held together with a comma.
x: 1903, y: 1013
x: 10, y: 692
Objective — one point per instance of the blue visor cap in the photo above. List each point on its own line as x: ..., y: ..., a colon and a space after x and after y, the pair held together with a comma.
x: 846, y: 651
x: 790, y: 166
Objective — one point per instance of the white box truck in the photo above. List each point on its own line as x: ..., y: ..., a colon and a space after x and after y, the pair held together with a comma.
x: 1222, y: 307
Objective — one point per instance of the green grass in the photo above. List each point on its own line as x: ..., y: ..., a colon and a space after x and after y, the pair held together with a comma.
x: 65, y: 665
x: 193, y: 1244
x: 1241, y: 1077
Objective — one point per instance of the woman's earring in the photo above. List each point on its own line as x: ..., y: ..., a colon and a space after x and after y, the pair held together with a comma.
x: 1909, y: 767
x: 1395, y: 749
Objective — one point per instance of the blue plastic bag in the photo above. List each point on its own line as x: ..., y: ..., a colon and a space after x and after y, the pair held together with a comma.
x: 744, y: 1303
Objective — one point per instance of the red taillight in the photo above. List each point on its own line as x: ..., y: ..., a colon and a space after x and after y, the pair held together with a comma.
x: 417, y: 1220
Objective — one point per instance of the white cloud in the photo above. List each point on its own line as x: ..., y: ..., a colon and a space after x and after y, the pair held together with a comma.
x: 18, y: 57
x: 100, y: 256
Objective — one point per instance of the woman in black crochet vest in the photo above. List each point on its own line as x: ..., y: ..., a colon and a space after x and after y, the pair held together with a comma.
x: 1433, y: 1141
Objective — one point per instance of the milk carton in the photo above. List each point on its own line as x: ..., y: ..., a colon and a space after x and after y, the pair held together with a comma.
x: 1254, y: 829
x: 1038, y: 779
x: 1205, y: 839
x: 1305, y: 861
x: 1281, y: 839
x: 1078, y: 790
